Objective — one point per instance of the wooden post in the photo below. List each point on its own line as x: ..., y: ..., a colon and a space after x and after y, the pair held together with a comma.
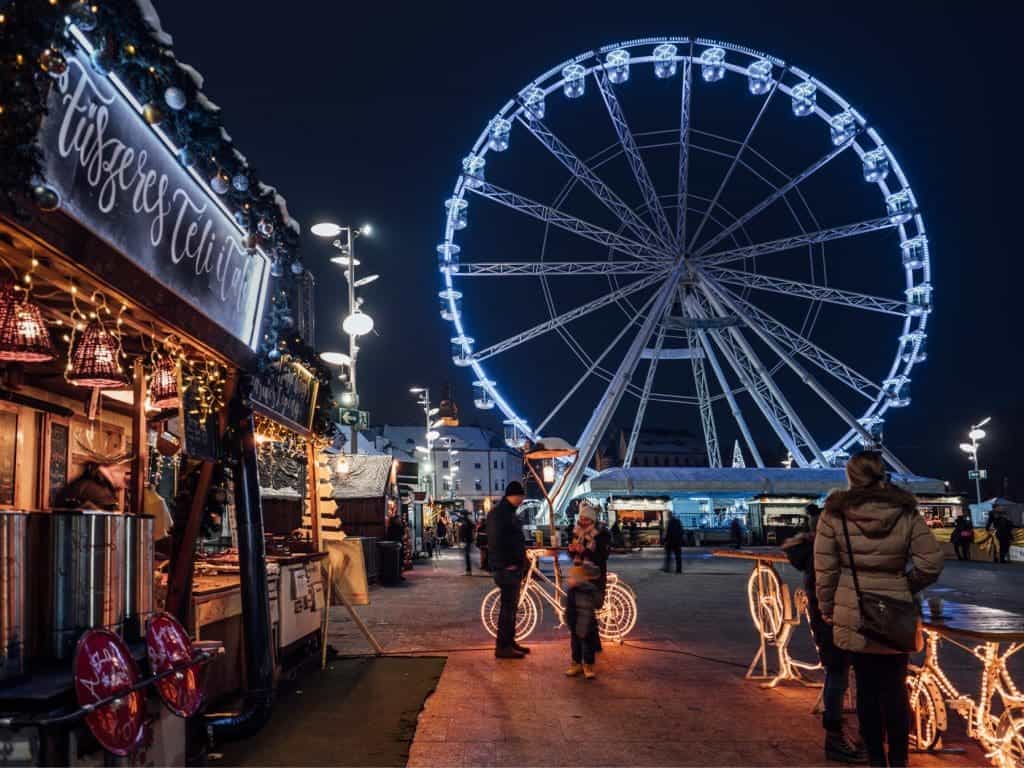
x: 313, y: 481
x: 140, y: 439
x: 179, y: 584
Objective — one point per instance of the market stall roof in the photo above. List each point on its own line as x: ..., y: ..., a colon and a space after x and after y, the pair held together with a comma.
x: 662, y: 480
x: 367, y: 478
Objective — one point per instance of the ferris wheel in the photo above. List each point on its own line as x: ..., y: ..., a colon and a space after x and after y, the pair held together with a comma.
x: 674, y: 203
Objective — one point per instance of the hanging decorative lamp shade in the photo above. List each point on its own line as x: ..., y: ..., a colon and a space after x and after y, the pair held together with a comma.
x: 163, y: 385
x: 24, y: 337
x: 94, y: 360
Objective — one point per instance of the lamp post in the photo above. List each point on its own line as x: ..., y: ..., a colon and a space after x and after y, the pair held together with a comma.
x: 449, y: 445
x: 424, y: 401
x: 976, y: 435
x: 356, y: 323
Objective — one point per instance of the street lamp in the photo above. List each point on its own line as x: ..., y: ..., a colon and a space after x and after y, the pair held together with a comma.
x: 423, y: 400
x: 356, y: 323
x: 976, y: 435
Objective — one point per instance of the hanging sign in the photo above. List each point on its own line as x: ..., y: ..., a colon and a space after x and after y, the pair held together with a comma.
x: 117, y: 177
x: 286, y: 392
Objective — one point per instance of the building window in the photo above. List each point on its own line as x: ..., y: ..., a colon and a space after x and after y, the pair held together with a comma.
x: 458, y: 462
x: 444, y: 464
x: 478, y: 485
x: 502, y: 463
x: 447, y: 485
x: 476, y: 465
x: 495, y: 463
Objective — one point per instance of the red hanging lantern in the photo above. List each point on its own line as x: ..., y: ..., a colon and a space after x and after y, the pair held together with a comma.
x: 163, y: 385
x: 23, y: 334
x: 94, y: 360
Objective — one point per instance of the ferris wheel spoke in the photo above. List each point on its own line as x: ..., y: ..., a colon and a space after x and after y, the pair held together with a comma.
x: 597, y: 187
x: 779, y: 193
x: 645, y: 394
x: 734, y: 163
x: 595, y: 365
x: 795, y: 344
x: 558, y: 268
x: 707, y: 414
x: 806, y: 290
x: 569, y: 223
x: 789, y: 243
x: 601, y: 417
x: 567, y: 317
x: 762, y: 387
x: 683, y: 178
x: 633, y: 156
x: 723, y: 383
x: 715, y: 291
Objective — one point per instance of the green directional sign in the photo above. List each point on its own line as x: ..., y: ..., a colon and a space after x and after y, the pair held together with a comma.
x: 352, y: 417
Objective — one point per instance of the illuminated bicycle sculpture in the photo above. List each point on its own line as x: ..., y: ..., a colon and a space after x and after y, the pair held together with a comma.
x: 999, y: 729
x: 639, y: 259
x: 615, y: 619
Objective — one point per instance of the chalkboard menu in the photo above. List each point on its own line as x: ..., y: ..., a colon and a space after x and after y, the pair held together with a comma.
x: 200, y: 436
x: 286, y: 392
x: 57, y: 467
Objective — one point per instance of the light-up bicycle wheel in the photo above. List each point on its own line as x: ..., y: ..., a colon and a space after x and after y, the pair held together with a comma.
x: 617, y: 617
x: 739, y: 241
x: 767, y: 601
x: 526, y: 617
x: 927, y: 710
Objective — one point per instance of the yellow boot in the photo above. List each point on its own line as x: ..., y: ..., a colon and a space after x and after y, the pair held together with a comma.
x: 588, y: 671
x: 573, y: 670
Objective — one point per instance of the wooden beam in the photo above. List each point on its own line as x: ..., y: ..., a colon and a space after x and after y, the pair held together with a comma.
x: 140, y: 438
x: 313, y: 480
x: 179, y: 582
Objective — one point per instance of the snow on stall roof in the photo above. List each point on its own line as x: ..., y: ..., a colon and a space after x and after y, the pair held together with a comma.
x: 193, y: 73
x: 152, y: 20
x: 282, y: 206
x: 747, y: 481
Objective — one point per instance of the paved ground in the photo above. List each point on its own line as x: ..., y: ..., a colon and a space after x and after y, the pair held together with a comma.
x: 673, y: 694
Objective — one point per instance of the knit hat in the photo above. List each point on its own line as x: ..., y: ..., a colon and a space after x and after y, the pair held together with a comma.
x: 515, y: 488
x: 588, y: 511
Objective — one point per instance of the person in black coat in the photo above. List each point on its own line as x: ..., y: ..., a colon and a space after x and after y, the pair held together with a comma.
x: 466, y: 537
x: 800, y: 552
x: 737, y: 533
x: 507, y: 557
x: 1004, y: 535
x: 674, y: 544
x: 963, y: 537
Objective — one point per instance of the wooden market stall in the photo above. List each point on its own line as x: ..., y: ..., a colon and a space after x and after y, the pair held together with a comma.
x: 143, y: 315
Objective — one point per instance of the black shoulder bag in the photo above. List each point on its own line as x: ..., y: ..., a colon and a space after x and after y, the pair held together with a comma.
x: 886, y: 620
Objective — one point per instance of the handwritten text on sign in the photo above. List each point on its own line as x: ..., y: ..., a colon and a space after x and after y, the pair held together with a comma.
x: 286, y: 391
x: 115, y: 176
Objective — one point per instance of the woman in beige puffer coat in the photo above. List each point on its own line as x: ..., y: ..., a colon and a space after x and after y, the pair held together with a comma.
x: 896, y: 555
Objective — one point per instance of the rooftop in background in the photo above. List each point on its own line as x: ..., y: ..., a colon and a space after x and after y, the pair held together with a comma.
x: 405, y: 439
x: 367, y: 478
x: 752, y: 481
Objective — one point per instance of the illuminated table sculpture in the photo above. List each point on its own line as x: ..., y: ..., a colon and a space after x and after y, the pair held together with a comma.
x: 776, y: 615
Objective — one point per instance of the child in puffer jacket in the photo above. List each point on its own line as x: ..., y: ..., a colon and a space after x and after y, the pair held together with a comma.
x: 581, y: 604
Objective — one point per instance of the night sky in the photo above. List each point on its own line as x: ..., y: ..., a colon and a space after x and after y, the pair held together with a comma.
x: 363, y: 111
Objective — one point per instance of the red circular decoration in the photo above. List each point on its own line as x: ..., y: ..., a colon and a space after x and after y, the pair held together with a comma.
x: 169, y: 646
x: 104, y: 667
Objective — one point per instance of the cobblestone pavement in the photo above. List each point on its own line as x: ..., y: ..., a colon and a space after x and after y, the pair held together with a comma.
x: 673, y: 694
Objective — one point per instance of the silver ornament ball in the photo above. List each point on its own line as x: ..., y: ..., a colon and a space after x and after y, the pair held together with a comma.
x: 175, y: 98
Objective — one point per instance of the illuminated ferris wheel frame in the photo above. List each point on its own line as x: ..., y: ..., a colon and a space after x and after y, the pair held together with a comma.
x: 658, y: 249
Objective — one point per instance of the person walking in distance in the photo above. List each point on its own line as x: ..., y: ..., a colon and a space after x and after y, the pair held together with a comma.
x: 800, y: 551
x: 736, y: 529
x: 507, y: 556
x: 1004, y: 535
x: 674, y: 544
x: 963, y: 537
x: 466, y: 538
x: 481, y: 543
x: 867, y: 537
